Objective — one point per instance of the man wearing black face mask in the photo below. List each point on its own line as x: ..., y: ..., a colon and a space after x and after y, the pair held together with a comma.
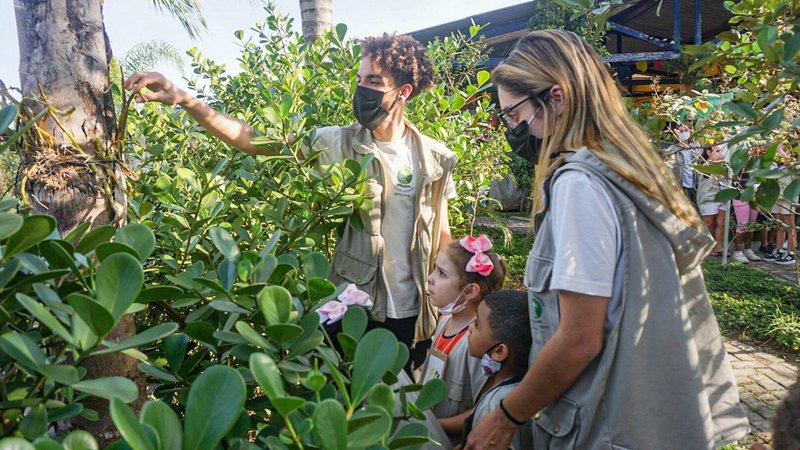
x: 411, y: 181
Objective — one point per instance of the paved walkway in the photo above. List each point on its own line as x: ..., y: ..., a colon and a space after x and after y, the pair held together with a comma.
x: 762, y: 377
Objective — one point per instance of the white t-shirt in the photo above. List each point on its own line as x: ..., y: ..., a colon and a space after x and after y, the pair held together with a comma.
x: 588, y: 241
x: 399, y: 165
x: 397, y: 225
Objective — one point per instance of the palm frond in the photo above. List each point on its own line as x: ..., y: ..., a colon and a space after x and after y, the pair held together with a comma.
x: 188, y: 13
x: 144, y: 56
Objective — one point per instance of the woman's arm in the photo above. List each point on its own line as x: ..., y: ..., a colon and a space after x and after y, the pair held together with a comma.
x: 231, y: 131
x: 578, y: 340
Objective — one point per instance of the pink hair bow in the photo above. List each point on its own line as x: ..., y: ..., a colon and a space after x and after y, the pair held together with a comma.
x: 480, y: 261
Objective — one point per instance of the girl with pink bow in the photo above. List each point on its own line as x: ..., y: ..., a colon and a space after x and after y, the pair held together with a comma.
x: 465, y: 272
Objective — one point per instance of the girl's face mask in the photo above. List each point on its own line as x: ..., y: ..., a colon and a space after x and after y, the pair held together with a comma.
x: 455, y: 307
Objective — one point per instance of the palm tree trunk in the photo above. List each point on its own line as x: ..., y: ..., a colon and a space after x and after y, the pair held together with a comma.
x: 71, y: 164
x: 317, y: 17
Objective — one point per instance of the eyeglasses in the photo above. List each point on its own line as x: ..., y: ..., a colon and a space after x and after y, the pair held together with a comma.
x: 502, y: 115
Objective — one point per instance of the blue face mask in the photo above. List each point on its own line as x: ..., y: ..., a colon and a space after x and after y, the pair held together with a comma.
x: 490, y: 366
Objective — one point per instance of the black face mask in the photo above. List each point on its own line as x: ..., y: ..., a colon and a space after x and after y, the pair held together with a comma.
x: 367, y: 107
x: 524, y: 144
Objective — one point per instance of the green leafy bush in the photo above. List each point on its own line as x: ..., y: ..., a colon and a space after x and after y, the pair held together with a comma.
x: 223, y: 266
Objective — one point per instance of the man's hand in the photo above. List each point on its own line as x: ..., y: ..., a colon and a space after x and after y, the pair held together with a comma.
x: 494, y: 431
x: 162, y: 90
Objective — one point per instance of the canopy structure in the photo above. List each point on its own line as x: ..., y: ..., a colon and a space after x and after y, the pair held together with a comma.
x: 641, y: 38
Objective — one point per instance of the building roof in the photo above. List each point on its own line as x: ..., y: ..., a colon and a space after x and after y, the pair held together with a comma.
x: 644, y: 18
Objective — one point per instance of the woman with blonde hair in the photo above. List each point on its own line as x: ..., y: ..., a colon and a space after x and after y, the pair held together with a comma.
x: 626, y: 350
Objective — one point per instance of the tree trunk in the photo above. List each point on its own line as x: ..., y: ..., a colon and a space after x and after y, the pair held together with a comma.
x: 71, y: 164
x: 317, y: 17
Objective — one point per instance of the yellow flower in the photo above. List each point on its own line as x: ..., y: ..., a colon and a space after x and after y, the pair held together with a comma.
x: 701, y: 105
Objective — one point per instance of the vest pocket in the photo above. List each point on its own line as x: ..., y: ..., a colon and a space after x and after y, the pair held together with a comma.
x: 349, y: 268
x: 556, y: 425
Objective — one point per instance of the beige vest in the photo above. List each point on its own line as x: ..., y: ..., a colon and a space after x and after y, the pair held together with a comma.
x: 358, y: 256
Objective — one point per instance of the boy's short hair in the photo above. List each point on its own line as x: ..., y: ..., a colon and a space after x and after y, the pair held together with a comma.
x: 510, y: 324
x: 404, y: 57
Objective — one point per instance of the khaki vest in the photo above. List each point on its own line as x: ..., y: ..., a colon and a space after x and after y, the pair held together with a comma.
x: 663, y: 379
x: 358, y: 256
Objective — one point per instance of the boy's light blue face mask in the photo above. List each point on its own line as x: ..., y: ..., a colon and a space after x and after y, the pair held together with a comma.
x: 490, y: 366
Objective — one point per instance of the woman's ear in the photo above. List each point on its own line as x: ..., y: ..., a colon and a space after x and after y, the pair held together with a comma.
x: 557, y: 99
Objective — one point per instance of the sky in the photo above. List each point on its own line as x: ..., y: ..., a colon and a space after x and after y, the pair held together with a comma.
x: 129, y: 22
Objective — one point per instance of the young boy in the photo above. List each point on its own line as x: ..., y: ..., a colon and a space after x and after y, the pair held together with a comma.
x: 501, y: 337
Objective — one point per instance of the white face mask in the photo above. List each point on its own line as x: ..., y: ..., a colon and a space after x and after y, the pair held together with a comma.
x: 684, y: 136
x: 455, y: 307
x: 490, y: 366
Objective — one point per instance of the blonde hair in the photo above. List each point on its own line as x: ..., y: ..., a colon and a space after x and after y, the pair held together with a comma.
x: 594, y: 116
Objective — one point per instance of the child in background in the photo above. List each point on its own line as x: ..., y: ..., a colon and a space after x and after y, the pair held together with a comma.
x: 501, y: 336
x: 465, y: 272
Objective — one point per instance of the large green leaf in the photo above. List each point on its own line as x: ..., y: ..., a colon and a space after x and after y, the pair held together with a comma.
x: 60, y: 373
x: 330, y: 424
x: 276, y: 304
x: 9, y: 224
x: 368, y: 426
x: 118, y: 280
x: 45, y: 443
x: 175, y: 350
x: 34, y: 424
x: 412, y: 435
x: 203, y: 332
x: 80, y: 440
x: 433, y: 392
x: 315, y: 265
x: 15, y: 443
x: 158, y: 293
x: 282, y: 333
x: 165, y: 422
x: 8, y: 270
x: 139, y: 237
x: 129, y: 427
x: 319, y: 289
x: 106, y: 249
x: 374, y: 356
x: 381, y: 395
x: 252, y: 336
x: 266, y: 374
x: 354, y: 322
x: 109, y: 388
x: 216, y: 400
x: 94, y: 238
x: 792, y: 191
x: 224, y: 242
x: 34, y: 229
x: 93, y: 314
x: 145, y: 337
x: 7, y: 115
x: 46, y: 318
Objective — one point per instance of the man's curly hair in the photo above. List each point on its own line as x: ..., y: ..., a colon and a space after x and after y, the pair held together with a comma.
x: 404, y: 57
